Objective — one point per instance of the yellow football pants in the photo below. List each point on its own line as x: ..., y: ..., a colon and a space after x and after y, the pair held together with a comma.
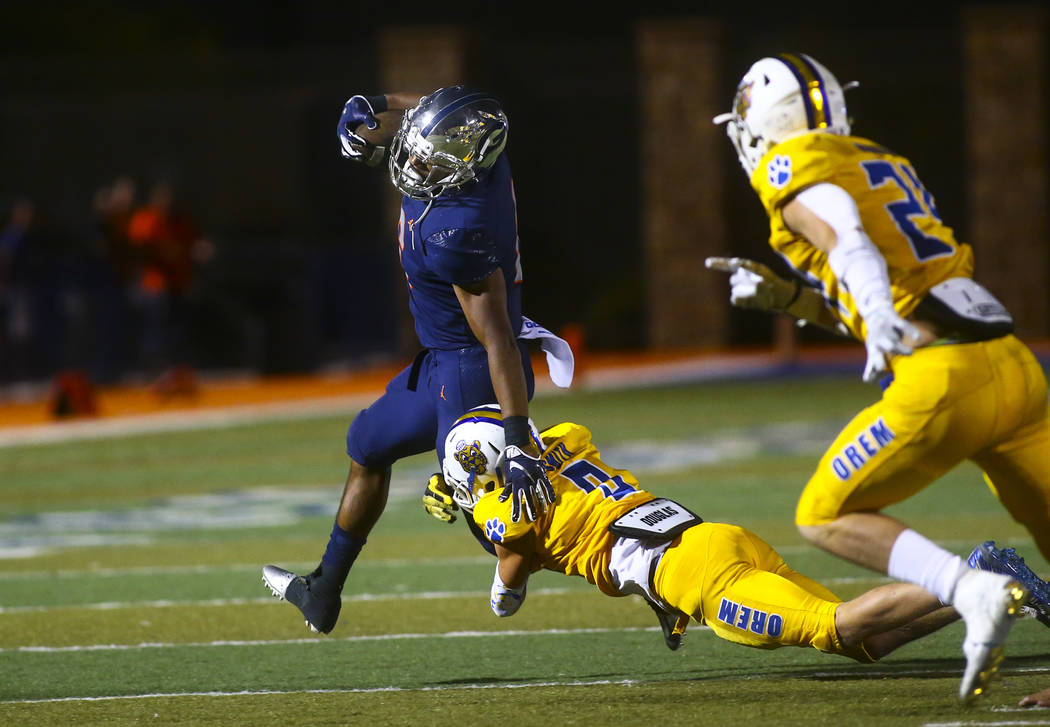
x: 986, y: 402
x: 734, y: 582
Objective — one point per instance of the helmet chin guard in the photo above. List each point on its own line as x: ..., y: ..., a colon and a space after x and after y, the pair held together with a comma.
x: 780, y: 97
x: 445, y: 141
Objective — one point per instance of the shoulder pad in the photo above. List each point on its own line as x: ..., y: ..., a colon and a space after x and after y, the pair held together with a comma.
x: 461, y: 256
x: 577, y: 434
x: 798, y: 163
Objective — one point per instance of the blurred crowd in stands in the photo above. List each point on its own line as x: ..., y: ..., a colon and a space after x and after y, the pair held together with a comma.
x: 111, y: 302
x: 135, y: 292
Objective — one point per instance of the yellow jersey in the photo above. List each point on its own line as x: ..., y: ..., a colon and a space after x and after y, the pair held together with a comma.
x: 897, y: 212
x: 573, y: 536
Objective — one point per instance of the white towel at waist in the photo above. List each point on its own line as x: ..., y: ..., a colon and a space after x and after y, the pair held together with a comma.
x: 560, y: 362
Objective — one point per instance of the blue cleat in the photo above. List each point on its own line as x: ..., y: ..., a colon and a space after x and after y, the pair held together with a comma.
x: 1006, y: 561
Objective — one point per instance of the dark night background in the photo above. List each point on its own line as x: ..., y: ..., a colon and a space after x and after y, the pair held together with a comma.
x: 236, y: 105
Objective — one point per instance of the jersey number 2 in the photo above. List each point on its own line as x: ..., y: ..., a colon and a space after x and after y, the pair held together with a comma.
x: 902, y: 211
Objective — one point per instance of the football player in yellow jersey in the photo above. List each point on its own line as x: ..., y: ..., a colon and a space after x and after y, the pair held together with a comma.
x: 624, y: 540
x: 874, y: 260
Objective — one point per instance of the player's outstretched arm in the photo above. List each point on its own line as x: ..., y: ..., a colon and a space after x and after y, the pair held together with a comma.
x: 754, y: 285
x: 509, y: 581
x: 485, y: 307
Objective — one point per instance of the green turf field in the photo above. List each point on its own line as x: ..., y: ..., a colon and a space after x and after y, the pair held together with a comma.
x: 130, y: 590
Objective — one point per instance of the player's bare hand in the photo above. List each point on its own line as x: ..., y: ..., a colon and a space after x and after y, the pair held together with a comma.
x: 1038, y: 699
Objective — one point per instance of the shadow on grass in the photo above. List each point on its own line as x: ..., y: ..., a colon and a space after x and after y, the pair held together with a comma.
x: 920, y: 669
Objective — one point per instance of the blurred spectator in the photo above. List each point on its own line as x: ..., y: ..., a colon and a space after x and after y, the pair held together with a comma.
x: 16, y: 300
x: 114, y: 270
x: 114, y: 207
x: 167, y: 245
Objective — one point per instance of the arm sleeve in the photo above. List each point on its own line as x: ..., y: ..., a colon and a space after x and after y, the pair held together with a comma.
x: 855, y: 260
x: 462, y: 257
x: 832, y: 204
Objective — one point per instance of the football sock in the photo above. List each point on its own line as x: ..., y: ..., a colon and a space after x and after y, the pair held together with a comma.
x: 917, y: 560
x: 342, y: 551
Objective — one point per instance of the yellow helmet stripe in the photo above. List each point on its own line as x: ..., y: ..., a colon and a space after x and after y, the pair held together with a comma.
x: 482, y: 413
x: 814, y: 96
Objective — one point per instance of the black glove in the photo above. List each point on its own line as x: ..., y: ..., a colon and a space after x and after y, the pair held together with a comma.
x: 527, y: 484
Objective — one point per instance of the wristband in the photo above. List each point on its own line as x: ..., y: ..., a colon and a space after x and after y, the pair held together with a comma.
x: 516, y: 431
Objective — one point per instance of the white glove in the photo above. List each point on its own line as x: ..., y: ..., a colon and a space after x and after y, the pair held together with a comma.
x: 887, y: 333
x: 753, y: 285
x: 505, y: 601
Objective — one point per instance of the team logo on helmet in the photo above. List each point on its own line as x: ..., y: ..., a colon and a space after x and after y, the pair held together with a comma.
x: 471, y: 458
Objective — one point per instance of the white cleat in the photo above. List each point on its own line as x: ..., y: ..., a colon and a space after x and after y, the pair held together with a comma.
x: 989, y: 604
x: 277, y: 580
x: 320, y: 610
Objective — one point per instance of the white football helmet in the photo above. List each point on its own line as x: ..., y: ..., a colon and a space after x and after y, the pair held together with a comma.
x: 473, y: 459
x: 781, y: 97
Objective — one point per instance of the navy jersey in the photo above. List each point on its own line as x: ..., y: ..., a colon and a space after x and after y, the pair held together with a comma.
x: 460, y: 240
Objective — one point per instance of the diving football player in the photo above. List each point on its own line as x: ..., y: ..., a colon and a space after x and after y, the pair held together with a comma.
x: 625, y: 541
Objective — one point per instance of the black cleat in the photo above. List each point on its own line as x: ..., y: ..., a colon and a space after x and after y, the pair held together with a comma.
x: 321, y: 610
x: 670, y: 625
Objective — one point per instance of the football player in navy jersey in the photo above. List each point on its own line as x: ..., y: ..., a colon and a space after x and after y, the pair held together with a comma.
x: 458, y: 244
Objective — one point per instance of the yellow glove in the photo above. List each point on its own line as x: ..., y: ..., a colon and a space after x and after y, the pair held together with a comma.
x: 437, y: 499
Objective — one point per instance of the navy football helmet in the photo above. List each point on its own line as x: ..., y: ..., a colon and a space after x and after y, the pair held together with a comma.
x: 445, y: 141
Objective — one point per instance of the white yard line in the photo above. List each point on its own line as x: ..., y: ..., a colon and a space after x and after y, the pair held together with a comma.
x: 89, y: 572
x: 221, y: 602
x: 330, y: 640
x: 373, y: 690
x: 982, y: 723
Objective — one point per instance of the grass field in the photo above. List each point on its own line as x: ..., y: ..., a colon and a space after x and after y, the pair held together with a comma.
x: 130, y: 591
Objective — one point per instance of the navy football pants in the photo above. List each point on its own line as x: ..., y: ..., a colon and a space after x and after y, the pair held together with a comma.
x: 422, y: 402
